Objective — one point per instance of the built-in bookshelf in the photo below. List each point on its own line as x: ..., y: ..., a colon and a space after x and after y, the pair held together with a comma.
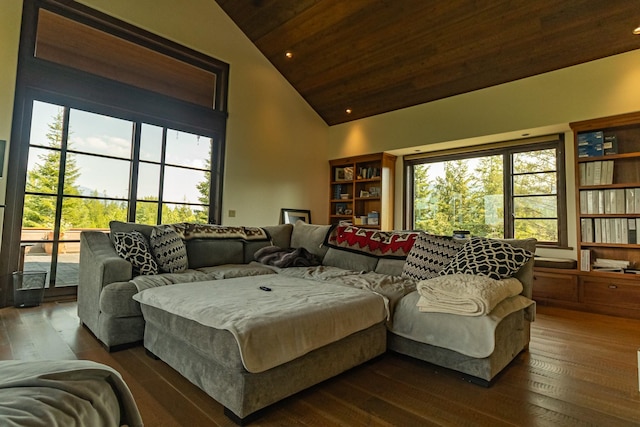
x: 608, y: 181
x: 607, y: 171
x: 362, y: 191
x: 607, y: 153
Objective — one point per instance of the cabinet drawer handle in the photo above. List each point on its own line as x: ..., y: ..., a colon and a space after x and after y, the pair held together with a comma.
x: 613, y: 287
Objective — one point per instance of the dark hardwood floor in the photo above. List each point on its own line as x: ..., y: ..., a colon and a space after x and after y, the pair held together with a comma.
x: 581, y: 370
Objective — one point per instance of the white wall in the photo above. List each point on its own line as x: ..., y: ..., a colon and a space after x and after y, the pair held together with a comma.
x: 537, y: 105
x: 276, y: 144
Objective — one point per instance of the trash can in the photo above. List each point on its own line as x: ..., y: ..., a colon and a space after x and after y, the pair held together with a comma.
x: 28, y: 288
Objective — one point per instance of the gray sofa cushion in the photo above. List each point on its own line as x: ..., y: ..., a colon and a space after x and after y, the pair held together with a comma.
x: 127, y: 227
x: 280, y: 236
x: 310, y: 237
x: 208, y: 252
x: 349, y: 260
x: 116, y: 300
x: 392, y: 267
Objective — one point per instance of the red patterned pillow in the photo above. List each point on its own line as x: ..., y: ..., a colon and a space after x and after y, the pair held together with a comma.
x: 381, y: 244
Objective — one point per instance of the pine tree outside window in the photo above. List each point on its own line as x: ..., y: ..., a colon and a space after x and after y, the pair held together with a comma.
x: 506, y: 190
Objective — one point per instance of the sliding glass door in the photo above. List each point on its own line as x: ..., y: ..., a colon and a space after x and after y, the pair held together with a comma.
x: 85, y: 169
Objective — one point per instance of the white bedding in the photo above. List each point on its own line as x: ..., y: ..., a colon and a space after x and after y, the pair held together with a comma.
x: 473, y: 336
x: 61, y: 393
x: 272, y: 327
x: 465, y: 294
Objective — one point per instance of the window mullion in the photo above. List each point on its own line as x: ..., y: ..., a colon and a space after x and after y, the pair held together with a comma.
x: 135, y: 170
x: 163, y: 160
x: 509, y: 204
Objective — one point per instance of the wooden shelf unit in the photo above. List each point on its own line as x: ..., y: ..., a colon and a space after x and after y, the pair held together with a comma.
x: 603, y: 229
x: 361, y: 185
x: 614, y: 294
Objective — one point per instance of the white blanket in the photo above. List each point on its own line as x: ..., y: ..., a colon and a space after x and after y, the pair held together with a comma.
x: 473, y: 336
x: 64, y: 393
x: 273, y: 326
x: 465, y: 294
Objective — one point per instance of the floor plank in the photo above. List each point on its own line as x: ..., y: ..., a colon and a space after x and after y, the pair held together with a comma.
x: 580, y: 370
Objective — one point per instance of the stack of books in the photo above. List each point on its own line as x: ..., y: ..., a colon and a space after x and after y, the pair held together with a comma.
x: 610, y: 265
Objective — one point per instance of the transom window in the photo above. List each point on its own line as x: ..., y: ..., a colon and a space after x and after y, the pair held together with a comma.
x: 508, y: 190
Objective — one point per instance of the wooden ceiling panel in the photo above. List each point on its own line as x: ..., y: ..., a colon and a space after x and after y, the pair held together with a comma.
x: 375, y: 56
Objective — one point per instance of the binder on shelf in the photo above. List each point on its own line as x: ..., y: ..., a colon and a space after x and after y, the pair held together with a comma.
x: 597, y: 230
x: 586, y: 230
x: 597, y: 173
x: 607, y: 172
x: 632, y: 233
x: 590, y: 173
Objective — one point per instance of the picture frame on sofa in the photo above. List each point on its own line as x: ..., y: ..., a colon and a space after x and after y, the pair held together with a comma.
x: 291, y: 216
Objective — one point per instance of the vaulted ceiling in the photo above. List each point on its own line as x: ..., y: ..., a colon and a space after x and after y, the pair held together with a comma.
x: 375, y: 56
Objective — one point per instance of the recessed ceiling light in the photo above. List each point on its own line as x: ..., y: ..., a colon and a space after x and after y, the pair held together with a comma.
x: 348, y: 111
x: 288, y: 54
x: 637, y: 30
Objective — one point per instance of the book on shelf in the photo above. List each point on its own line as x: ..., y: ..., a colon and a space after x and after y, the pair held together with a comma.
x: 610, y: 145
x: 590, y: 144
x: 607, y: 269
x: 585, y: 259
x: 611, y: 263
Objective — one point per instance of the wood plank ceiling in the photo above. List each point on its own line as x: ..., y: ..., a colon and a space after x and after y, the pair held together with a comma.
x: 376, y: 56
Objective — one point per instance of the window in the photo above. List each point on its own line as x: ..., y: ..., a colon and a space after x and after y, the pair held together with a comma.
x: 120, y: 125
x: 506, y: 190
x: 82, y: 173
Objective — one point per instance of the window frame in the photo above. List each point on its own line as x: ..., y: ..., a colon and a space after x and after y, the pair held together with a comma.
x: 39, y: 79
x: 505, y: 149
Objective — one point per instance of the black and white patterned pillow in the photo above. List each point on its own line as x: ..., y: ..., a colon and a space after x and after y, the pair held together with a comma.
x: 133, y: 247
x: 488, y: 257
x: 169, y: 249
x: 429, y: 255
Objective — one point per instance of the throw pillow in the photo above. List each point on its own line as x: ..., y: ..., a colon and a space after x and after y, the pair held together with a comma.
x: 169, y: 250
x: 134, y: 248
x: 488, y: 257
x: 380, y: 244
x: 429, y: 255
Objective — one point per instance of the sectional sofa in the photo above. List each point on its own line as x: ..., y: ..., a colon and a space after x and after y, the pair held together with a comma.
x: 387, y: 278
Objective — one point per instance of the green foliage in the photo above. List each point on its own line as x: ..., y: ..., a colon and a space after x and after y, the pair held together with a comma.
x: 86, y: 213
x: 471, y: 198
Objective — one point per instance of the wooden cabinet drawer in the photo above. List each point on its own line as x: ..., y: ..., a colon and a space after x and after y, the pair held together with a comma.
x: 611, y: 291
x: 556, y: 286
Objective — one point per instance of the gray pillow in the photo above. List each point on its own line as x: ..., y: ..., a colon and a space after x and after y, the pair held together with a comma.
x: 310, y: 237
x: 169, y: 250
